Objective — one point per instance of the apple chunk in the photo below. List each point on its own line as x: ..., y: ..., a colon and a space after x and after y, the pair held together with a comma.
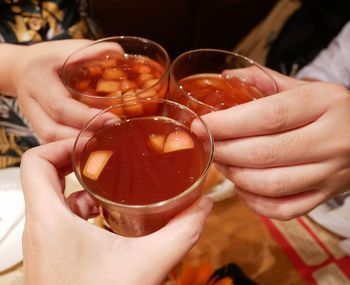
x: 156, y: 142
x: 107, y: 86
x: 113, y: 74
x: 95, y: 163
x: 95, y: 70
x: 176, y: 141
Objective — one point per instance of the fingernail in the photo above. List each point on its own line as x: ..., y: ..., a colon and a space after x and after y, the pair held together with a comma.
x: 197, y: 127
x: 228, y: 75
x: 93, y: 210
x: 206, y: 204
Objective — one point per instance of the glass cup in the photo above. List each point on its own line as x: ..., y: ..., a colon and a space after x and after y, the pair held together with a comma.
x: 108, y: 70
x: 141, y: 219
x: 198, y: 81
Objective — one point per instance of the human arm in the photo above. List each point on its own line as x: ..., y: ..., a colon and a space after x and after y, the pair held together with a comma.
x: 289, y: 152
x: 62, y: 248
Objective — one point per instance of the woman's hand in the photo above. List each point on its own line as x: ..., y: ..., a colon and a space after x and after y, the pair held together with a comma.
x: 62, y: 248
x: 42, y: 97
x: 289, y: 152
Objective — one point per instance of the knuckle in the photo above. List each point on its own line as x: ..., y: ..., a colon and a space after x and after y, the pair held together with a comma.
x: 285, y: 215
x: 224, y: 152
x: 28, y: 155
x: 48, y: 135
x: 278, y: 211
x: 254, y: 207
x: 239, y: 177
x: 247, y: 182
x: 336, y: 91
x: 191, y: 232
x: 335, y: 94
x: 193, y: 235
x: 286, y: 212
x: 56, y: 108
x: 263, y: 156
x: 276, y: 116
x: 273, y: 186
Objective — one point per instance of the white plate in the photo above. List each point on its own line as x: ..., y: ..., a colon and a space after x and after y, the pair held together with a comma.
x: 335, y: 218
x: 11, y: 242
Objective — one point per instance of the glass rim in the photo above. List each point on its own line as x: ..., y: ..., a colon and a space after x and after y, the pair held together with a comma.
x: 110, y: 39
x: 231, y: 53
x: 152, y: 205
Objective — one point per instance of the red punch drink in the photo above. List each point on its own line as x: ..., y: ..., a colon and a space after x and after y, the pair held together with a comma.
x: 213, y: 90
x: 111, y: 75
x: 107, y: 71
x: 145, y: 167
x: 142, y: 161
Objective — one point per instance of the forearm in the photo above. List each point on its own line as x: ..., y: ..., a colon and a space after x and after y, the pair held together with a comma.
x: 9, y: 58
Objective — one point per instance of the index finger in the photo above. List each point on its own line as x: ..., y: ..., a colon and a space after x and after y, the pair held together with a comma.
x: 273, y: 114
x: 42, y: 169
x: 58, y: 103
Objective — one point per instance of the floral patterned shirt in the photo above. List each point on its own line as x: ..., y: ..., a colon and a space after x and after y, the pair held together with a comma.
x: 27, y: 22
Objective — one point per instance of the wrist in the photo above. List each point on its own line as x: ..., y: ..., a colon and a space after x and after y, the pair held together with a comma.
x: 10, y: 59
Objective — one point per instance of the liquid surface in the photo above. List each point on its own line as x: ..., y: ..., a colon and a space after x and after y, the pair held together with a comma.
x: 113, y: 75
x: 218, y: 92
x: 137, y: 172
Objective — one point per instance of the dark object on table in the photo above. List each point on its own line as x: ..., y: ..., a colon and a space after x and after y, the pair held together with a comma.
x: 232, y: 270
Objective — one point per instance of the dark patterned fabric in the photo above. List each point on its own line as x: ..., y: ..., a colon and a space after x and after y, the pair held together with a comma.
x: 31, y: 21
x: 27, y: 22
x: 15, y: 136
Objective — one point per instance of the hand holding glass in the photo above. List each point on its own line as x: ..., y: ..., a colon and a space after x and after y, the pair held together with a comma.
x: 144, y: 166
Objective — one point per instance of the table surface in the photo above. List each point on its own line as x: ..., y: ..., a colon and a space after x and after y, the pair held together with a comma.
x: 233, y: 233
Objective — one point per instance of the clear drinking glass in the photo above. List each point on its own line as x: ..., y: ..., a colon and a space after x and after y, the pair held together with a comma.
x: 198, y: 81
x: 137, y: 219
x: 108, y: 70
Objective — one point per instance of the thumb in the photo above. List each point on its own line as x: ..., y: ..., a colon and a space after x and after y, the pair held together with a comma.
x: 169, y: 245
x: 266, y: 80
x: 186, y: 227
x: 284, y: 82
